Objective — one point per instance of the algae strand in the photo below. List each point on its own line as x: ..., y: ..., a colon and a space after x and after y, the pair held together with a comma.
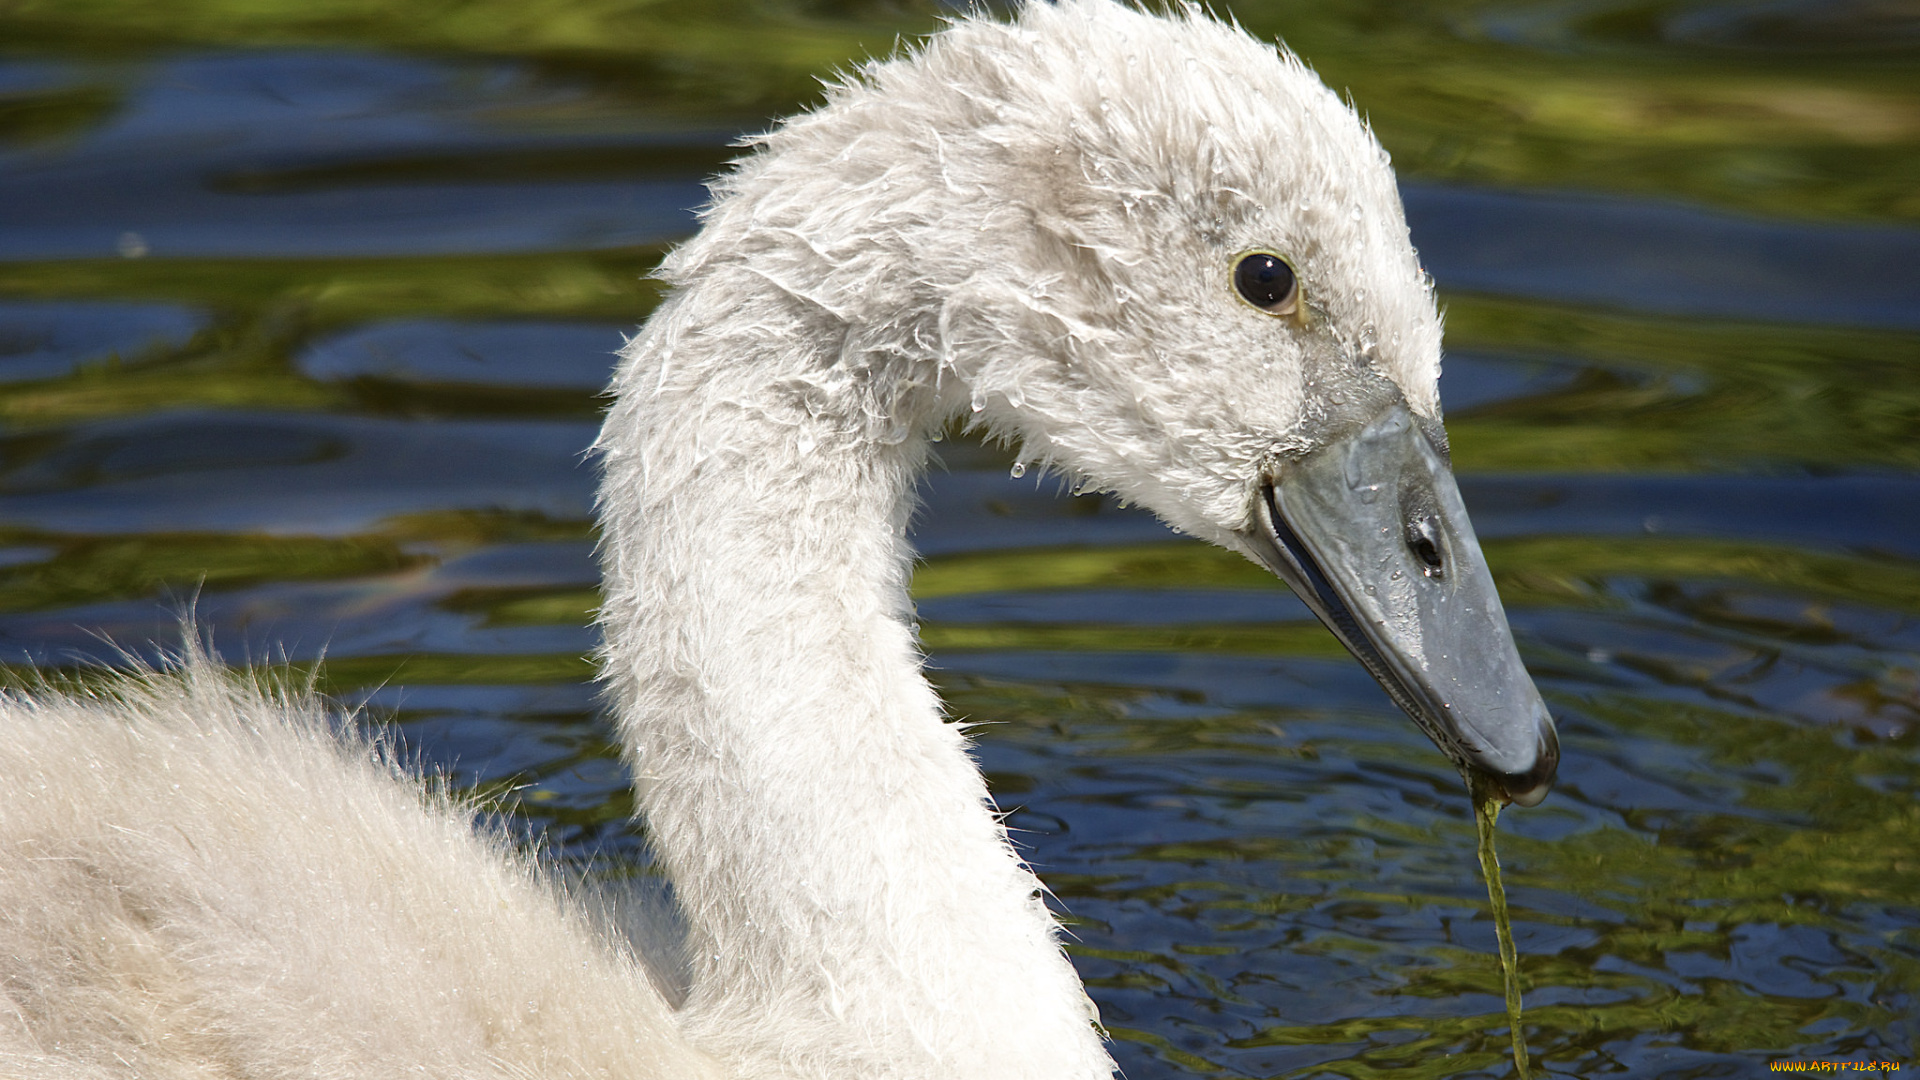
x: 1487, y: 801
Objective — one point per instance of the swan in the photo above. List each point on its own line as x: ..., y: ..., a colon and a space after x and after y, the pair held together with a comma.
x: 1155, y: 255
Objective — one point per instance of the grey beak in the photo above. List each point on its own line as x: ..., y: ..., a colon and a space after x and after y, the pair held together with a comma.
x: 1369, y: 531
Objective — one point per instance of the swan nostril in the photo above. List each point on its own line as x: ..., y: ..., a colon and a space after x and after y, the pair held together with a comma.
x: 1423, y: 539
x: 1430, y: 555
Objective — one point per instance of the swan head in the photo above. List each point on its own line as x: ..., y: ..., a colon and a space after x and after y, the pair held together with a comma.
x: 1163, y: 259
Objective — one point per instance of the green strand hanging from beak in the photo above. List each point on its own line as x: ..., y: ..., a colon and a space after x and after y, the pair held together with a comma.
x: 1487, y: 800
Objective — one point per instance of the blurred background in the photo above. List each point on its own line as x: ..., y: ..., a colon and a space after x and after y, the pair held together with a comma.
x: 304, y: 308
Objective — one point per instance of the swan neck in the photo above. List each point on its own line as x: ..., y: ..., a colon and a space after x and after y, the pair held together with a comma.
x: 853, y: 905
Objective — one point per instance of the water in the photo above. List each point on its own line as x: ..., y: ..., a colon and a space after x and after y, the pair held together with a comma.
x: 303, y: 309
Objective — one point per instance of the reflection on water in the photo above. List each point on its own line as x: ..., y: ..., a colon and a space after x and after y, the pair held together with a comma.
x: 1657, y: 257
x: 430, y: 351
x: 47, y: 339
x: 339, y: 380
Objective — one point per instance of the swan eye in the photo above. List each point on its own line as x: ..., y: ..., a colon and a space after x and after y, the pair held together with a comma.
x: 1267, y: 281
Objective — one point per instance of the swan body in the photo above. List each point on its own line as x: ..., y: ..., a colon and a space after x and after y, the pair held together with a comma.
x: 200, y: 879
x: 1030, y: 227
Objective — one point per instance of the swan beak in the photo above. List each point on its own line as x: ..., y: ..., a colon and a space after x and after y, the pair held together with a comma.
x: 1370, y: 531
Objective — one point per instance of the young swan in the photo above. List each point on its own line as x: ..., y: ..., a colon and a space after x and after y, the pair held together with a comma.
x: 1155, y: 253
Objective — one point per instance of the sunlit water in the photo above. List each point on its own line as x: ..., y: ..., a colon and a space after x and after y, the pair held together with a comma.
x: 309, y: 317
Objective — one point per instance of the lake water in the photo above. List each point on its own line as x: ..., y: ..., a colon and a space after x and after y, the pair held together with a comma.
x: 303, y: 308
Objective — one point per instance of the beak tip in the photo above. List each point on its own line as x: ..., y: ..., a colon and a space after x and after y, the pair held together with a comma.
x: 1529, y: 788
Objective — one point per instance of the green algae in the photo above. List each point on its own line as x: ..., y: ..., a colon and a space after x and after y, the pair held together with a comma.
x: 1486, y: 812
